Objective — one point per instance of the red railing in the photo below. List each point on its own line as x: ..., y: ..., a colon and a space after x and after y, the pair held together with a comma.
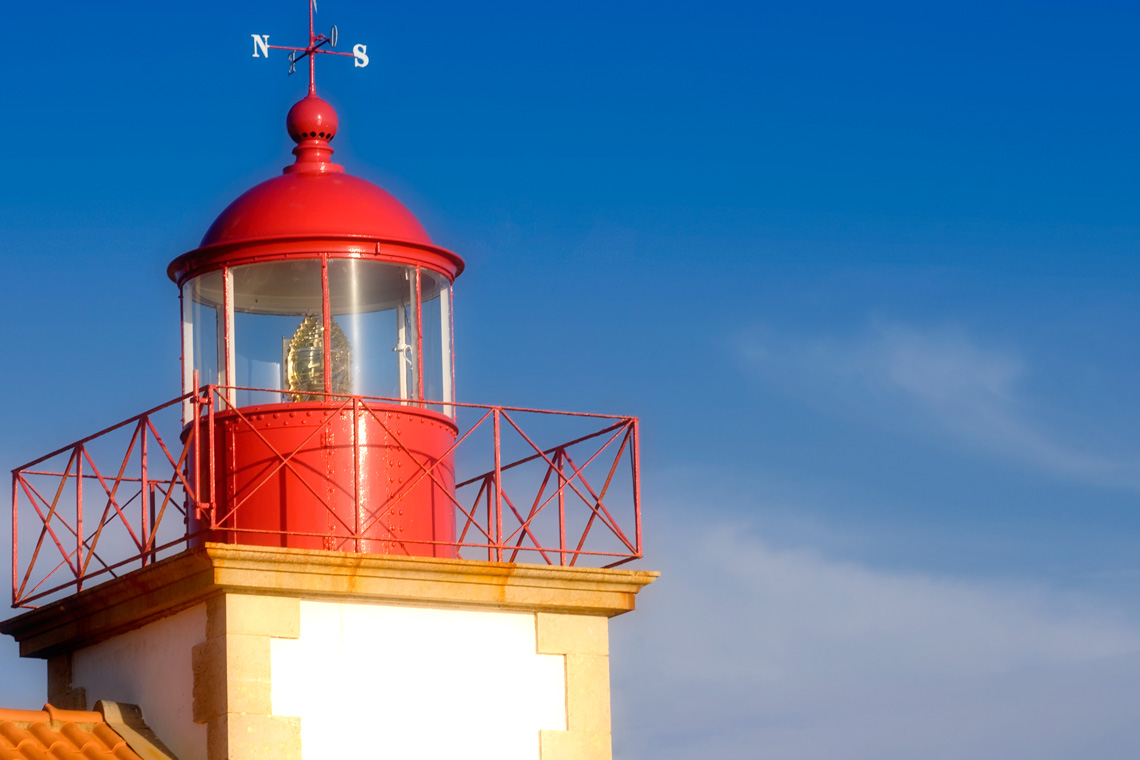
x: 123, y: 497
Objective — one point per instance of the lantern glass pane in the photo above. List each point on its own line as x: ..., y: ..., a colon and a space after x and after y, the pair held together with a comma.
x: 202, y: 304
x: 436, y: 340
x: 372, y: 302
x: 278, y: 339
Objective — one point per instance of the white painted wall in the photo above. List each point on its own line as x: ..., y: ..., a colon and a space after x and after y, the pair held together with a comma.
x: 405, y: 682
x: 151, y: 667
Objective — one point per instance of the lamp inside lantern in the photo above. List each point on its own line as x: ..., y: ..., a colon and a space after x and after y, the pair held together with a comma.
x: 303, y: 357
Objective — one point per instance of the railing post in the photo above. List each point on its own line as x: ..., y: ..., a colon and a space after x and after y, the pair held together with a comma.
x: 490, y: 498
x: 193, y: 441
x: 79, y: 518
x: 356, y: 471
x: 210, y: 391
x: 559, y: 459
x: 15, y: 533
x: 498, y: 542
x: 154, y: 524
x: 636, y: 465
x: 144, y: 491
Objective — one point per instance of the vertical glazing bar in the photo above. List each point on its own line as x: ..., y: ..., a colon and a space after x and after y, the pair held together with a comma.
x: 228, y: 318
x: 186, y: 340
x: 419, y: 340
x: 402, y: 349
x: 498, y: 535
x: 445, y: 358
x: 636, y: 460
x: 326, y: 324
x: 144, y: 491
x: 219, y: 339
x: 450, y: 368
x: 79, y: 518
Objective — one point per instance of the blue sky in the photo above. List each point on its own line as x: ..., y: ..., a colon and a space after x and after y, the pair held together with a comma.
x: 867, y: 273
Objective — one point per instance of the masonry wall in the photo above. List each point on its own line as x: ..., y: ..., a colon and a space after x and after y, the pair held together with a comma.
x: 236, y: 653
x: 150, y: 666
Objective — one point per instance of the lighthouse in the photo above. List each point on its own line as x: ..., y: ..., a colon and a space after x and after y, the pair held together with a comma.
x: 316, y: 549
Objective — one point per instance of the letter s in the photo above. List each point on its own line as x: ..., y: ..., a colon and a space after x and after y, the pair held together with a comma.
x: 361, y: 53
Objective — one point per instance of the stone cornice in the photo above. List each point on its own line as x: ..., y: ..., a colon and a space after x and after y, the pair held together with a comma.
x: 195, y: 575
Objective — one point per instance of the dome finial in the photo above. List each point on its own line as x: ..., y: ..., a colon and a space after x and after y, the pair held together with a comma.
x: 312, y: 123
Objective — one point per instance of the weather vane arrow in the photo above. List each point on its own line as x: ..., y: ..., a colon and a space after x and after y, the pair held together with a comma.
x: 261, y: 48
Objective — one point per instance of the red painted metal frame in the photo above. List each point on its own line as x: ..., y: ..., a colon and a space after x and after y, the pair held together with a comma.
x: 451, y: 335
x: 237, y: 253
x: 226, y: 359
x: 326, y: 326
x: 419, y: 341
x: 564, y: 520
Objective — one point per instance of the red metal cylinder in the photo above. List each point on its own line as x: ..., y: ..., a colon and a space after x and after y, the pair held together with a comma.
x: 342, y: 475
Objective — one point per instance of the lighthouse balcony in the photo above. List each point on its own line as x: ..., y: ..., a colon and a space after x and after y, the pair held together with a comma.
x: 327, y: 471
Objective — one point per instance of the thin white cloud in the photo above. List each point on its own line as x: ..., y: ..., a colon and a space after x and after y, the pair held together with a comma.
x: 939, y: 380
x: 744, y: 651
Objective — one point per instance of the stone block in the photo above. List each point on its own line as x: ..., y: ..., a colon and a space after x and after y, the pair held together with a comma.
x: 575, y: 745
x: 572, y: 634
x: 252, y: 615
x: 231, y: 674
x: 234, y: 736
x: 588, y: 693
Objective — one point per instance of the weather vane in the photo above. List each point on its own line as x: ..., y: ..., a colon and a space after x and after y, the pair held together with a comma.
x: 261, y: 47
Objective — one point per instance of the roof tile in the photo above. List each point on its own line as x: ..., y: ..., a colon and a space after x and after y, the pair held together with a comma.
x: 109, y: 738
x: 53, y: 734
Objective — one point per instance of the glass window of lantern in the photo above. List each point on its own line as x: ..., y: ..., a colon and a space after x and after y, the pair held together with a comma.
x: 278, y: 333
x: 202, y: 299
x: 373, y: 304
x: 435, y: 295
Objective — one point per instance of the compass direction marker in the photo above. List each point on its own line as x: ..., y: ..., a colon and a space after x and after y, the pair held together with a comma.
x: 359, y: 54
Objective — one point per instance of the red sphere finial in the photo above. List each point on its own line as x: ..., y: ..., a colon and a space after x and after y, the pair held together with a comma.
x: 312, y: 123
x: 311, y: 117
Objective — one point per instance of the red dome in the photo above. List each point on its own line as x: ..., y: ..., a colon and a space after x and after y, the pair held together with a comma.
x: 314, y: 207
x: 315, y: 204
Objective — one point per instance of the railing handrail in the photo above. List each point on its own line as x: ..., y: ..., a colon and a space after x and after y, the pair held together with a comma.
x: 404, y: 401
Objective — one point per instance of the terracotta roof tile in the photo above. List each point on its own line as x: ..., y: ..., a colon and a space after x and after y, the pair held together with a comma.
x: 53, y: 734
